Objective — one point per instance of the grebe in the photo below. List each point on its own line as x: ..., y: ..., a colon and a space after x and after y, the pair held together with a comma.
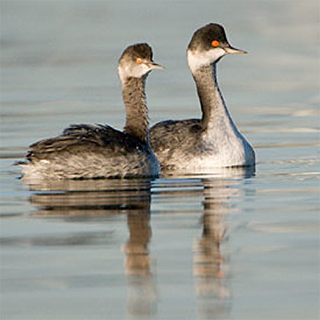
x: 87, y: 151
x: 214, y: 140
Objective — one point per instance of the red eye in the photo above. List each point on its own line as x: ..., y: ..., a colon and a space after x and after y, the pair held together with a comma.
x: 139, y: 60
x: 215, y: 43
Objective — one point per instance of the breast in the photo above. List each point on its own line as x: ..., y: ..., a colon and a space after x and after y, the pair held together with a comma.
x: 227, y: 148
x: 186, y: 145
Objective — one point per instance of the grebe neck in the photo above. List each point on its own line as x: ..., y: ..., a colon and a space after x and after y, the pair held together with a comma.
x: 212, y: 103
x: 134, y: 97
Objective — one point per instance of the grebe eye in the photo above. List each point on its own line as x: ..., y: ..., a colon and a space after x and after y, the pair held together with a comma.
x: 215, y: 43
x: 139, y: 60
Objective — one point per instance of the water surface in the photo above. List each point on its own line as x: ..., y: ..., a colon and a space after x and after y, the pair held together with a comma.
x: 234, y: 244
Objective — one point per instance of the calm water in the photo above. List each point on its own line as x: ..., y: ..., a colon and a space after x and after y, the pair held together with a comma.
x: 235, y: 244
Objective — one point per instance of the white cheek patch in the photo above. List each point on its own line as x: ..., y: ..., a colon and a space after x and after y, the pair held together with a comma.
x: 140, y: 70
x: 196, y: 59
x: 121, y: 73
x: 136, y: 72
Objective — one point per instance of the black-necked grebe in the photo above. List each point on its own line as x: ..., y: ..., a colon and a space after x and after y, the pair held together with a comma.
x: 214, y: 140
x: 87, y: 151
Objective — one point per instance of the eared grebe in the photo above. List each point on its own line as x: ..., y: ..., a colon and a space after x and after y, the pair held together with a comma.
x: 214, y: 140
x: 87, y: 151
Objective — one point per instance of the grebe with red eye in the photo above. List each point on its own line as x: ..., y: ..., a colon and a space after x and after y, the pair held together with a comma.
x: 214, y: 140
x: 86, y: 151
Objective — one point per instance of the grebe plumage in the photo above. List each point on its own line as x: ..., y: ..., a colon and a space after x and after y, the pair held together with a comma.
x: 87, y: 151
x: 214, y: 140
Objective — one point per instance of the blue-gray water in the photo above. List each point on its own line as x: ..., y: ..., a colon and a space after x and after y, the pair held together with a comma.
x: 233, y: 245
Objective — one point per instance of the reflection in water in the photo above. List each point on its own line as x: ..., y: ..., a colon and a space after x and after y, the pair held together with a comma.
x: 142, y: 293
x: 210, y: 262
x: 93, y: 199
x: 90, y: 199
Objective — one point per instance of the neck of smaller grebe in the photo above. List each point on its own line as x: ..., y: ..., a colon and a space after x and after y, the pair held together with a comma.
x: 211, y: 100
x: 134, y: 97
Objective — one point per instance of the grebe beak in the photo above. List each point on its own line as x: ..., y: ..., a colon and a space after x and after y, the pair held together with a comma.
x: 152, y: 65
x: 231, y: 50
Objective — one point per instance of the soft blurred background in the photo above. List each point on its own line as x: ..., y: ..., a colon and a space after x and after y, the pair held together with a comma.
x: 238, y: 245
x: 59, y: 60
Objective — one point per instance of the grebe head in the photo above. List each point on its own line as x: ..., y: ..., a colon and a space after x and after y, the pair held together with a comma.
x: 208, y: 45
x: 136, y: 61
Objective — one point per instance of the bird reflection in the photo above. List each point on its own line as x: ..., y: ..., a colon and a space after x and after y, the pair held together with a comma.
x: 211, y: 265
x: 98, y: 199
x: 142, y: 292
x: 136, y: 249
x: 91, y: 198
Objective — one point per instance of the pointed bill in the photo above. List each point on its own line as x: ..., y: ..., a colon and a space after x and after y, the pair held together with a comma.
x: 231, y: 50
x: 154, y: 65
